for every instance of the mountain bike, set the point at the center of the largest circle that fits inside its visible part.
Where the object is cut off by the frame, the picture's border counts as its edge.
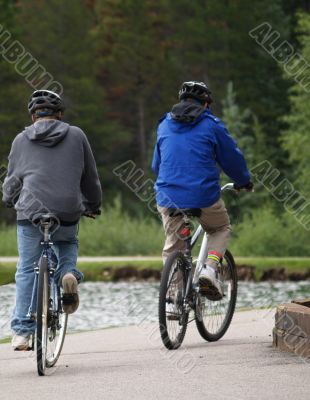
(180, 293)
(46, 306)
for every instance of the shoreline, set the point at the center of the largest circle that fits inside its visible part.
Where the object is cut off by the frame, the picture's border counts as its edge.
(115, 269)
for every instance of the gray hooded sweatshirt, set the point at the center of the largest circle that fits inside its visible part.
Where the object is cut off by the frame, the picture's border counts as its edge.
(52, 169)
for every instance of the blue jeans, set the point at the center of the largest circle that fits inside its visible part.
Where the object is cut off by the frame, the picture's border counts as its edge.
(29, 249)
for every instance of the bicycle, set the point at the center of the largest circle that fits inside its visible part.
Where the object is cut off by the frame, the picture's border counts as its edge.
(179, 289)
(47, 300)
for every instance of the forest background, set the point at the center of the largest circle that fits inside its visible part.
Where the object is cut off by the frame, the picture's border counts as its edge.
(121, 63)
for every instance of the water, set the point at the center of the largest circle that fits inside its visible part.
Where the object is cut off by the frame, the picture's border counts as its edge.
(105, 305)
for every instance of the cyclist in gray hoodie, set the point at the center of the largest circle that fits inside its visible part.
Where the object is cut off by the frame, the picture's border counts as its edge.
(51, 169)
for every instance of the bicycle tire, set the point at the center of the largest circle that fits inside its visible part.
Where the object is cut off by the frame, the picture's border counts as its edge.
(42, 316)
(176, 259)
(63, 321)
(201, 323)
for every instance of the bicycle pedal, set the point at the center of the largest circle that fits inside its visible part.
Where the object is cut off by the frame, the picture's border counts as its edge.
(69, 298)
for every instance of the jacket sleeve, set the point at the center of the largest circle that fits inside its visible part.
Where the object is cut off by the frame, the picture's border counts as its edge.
(13, 182)
(90, 183)
(156, 159)
(230, 157)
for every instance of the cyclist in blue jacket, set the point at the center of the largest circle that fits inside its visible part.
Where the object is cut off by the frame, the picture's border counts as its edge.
(192, 146)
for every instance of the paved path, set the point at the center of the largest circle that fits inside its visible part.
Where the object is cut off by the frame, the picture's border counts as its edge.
(130, 363)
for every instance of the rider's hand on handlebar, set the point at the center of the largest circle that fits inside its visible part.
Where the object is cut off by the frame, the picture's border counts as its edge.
(91, 214)
(249, 187)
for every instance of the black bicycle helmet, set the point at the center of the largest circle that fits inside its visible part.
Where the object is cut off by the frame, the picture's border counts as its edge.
(45, 99)
(195, 90)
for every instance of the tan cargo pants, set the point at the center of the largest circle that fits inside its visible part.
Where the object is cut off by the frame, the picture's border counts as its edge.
(214, 220)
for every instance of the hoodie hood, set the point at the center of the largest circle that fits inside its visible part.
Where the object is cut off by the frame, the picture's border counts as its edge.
(187, 111)
(47, 132)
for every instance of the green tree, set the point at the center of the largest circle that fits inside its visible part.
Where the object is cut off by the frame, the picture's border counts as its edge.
(244, 128)
(137, 69)
(237, 122)
(296, 138)
(12, 102)
(13, 93)
(61, 36)
(214, 45)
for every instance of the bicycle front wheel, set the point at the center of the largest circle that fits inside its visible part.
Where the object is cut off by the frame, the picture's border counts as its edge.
(214, 317)
(42, 316)
(173, 317)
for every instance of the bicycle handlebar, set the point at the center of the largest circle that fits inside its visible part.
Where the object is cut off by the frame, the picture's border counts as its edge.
(91, 214)
(232, 186)
(228, 186)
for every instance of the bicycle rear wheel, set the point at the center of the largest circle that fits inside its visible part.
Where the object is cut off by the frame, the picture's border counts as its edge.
(42, 316)
(214, 317)
(57, 327)
(173, 317)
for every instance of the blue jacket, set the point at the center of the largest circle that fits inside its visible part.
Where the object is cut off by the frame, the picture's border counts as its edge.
(187, 157)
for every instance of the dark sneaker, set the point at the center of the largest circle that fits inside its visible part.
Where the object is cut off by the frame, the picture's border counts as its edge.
(70, 298)
(210, 285)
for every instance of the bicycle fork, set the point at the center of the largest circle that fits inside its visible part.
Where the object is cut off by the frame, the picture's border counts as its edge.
(33, 305)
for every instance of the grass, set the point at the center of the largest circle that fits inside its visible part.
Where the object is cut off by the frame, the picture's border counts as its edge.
(115, 233)
(98, 271)
(8, 243)
(7, 273)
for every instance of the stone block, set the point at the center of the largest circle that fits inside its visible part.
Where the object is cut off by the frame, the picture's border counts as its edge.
(291, 343)
(294, 319)
(292, 329)
(302, 302)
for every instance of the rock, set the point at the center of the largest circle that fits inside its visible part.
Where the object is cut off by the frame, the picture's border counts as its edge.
(246, 272)
(296, 276)
(291, 317)
(124, 273)
(299, 276)
(292, 329)
(274, 274)
(302, 302)
(147, 274)
(133, 274)
(291, 343)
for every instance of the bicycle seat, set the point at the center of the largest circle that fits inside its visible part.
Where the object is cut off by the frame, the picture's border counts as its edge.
(45, 218)
(189, 212)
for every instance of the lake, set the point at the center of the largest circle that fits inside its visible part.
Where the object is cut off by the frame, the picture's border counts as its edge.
(107, 304)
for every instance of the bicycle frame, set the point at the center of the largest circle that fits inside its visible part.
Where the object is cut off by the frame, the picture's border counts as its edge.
(203, 253)
(46, 243)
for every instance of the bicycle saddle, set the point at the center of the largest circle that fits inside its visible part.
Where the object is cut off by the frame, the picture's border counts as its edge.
(189, 212)
(45, 218)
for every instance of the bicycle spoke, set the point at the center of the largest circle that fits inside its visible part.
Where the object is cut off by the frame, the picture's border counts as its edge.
(172, 316)
(173, 296)
(213, 317)
(57, 331)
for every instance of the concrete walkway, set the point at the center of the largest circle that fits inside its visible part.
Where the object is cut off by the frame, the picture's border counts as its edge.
(130, 363)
